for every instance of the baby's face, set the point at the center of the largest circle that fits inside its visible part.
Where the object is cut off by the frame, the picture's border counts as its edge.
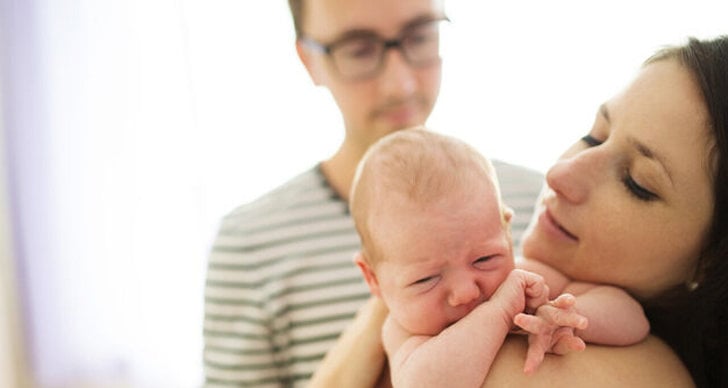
(442, 260)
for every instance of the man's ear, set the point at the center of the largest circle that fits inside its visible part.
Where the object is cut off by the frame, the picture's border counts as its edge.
(313, 67)
(369, 276)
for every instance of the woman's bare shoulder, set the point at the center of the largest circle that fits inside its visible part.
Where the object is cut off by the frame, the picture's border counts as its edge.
(650, 363)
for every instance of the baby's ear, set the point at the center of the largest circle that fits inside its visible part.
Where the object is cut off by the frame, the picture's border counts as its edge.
(369, 276)
(507, 214)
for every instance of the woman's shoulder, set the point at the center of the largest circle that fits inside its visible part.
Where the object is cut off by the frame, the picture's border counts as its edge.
(651, 363)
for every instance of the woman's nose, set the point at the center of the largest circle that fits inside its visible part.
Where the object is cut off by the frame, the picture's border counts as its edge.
(571, 177)
(465, 291)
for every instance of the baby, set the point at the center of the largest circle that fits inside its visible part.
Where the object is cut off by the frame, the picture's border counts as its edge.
(436, 248)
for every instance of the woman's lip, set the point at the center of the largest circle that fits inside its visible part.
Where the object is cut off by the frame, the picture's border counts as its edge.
(553, 226)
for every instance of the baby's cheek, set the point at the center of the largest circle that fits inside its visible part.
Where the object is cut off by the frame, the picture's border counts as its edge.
(424, 321)
(491, 283)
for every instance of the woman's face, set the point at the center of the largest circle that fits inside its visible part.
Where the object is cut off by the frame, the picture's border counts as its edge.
(630, 203)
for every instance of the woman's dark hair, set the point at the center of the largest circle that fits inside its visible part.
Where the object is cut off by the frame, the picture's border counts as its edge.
(693, 319)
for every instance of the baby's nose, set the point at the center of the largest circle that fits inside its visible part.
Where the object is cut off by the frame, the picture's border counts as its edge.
(464, 293)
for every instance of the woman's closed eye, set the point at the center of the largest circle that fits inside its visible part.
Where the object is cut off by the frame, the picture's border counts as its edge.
(591, 141)
(637, 190)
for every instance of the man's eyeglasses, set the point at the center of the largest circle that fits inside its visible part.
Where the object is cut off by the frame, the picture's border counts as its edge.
(361, 54)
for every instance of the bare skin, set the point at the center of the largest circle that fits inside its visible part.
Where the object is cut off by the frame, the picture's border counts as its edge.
(650, 363)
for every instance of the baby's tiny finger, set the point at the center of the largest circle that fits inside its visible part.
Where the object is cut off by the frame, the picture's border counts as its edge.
(529, 323)
(568, 318)
(567, 344)
(564, 301)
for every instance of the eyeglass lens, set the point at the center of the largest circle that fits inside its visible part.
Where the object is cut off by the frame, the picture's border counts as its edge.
(362, 56)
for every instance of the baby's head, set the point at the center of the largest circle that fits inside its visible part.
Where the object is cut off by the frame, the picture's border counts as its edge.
(435, 234)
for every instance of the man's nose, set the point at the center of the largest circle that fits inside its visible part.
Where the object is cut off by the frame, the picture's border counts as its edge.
(398, 76)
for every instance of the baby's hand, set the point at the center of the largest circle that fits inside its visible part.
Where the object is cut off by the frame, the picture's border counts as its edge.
(551, 329)
(520, 291)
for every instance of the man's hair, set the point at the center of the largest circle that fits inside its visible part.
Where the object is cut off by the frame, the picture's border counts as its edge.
(296, 7)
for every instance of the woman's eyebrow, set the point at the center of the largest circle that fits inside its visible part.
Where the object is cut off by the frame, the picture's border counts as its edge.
(641, 147)
(649, 153)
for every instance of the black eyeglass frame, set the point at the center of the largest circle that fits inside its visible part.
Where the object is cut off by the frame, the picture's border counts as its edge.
(396, 43)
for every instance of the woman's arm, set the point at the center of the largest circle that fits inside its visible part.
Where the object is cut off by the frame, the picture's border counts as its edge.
(650, 363)
(357, 359)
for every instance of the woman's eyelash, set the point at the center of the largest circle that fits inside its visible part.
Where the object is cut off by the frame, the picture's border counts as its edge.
(591, 141)
(638, 191)
(632, 186)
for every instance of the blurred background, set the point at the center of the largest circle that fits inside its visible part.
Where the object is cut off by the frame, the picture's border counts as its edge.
(128, 128)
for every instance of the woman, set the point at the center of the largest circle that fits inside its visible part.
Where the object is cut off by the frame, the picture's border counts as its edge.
(653, 172)
(640, 203)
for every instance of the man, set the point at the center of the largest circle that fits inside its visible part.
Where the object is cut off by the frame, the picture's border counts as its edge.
(281, 284)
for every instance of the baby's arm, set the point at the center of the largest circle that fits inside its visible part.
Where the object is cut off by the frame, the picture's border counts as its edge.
(615, 318)
(461, 354)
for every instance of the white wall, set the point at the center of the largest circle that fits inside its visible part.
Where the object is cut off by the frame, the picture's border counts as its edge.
(524, 78)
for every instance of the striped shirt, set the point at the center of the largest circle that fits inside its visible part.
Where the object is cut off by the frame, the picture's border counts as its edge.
(281, 284)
